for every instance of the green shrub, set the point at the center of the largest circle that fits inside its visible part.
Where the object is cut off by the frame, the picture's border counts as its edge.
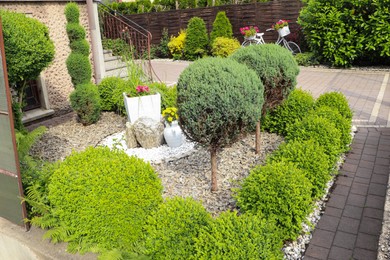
(218, 100)
(310, 157)
(28, 49)
(79, 68)
(85, 101)
(17, 116)
(170, 231)
(319, 129)
(279, 191)
(75, 32)
(80, 46)
(295, 107)
(221, 27)
(176, 45)
(223, 47)
(109, 94)
(162, 49)
(72, 12)
(341, 123)
(168, 94)
(306, 59)
(336, 100)
(338, 30)
(101, 198)
(197, 40)
(119, 47)
(239, 237)
(276, 68)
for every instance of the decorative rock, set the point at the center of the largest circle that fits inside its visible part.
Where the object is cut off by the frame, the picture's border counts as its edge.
(149, 132)
(131, 140)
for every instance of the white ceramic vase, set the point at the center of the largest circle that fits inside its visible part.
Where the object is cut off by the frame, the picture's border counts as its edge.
(173, 134)
(144, 106)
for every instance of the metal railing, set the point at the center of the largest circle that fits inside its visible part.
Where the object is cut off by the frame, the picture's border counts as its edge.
(137, 39)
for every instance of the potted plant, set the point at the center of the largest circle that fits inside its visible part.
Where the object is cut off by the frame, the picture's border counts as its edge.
(249, 32)
(172, 130)
(282, 27)
(142, 104)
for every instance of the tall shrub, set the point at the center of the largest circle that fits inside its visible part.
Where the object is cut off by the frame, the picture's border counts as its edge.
(85, 101)
(28, 49)
(221, 27)
(197, 39)
(277, 70)
(218, 100)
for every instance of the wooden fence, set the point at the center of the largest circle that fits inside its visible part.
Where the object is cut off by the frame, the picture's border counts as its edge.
(261, 14)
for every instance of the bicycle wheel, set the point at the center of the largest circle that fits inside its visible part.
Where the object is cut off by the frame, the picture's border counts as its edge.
(249, 42)
(293, 47)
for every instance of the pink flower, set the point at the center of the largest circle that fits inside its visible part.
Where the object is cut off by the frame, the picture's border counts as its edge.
(141, 89)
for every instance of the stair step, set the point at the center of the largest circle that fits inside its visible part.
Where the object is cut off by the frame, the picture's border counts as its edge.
(122, 73)
(114, 63)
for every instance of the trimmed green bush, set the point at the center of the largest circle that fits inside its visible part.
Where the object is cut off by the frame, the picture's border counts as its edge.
(218, 100)
(341, 123)
(170, 231)
(197, 40)
(295, 107)
(72, 13)
(85, 101)
(223, 47)
(221, 27)
(321, 130)
(28, 49)
(276, 68)
(75, 32)
(79, 68)
(310, 157)
(109, 90)
(306, 59)
(80, 46)
(101, 199)
(168, 94)
(239, 237)
(336, 100)
(280, 191)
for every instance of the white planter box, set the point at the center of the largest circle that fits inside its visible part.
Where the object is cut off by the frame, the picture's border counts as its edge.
(145, 106)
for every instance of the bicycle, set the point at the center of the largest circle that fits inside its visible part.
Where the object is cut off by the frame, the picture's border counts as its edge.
(258, 39)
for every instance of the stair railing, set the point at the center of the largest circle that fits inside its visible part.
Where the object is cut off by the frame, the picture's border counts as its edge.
(114, 26)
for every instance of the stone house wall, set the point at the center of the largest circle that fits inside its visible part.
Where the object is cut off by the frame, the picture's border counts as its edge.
(56, 77)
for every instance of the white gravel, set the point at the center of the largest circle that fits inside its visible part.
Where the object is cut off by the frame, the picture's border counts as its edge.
(160, 154)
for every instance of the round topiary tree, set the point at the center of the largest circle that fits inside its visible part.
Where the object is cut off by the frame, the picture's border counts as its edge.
(197, 40)
(28, 49)
(218, 100)
(221, 27)
(277, 70)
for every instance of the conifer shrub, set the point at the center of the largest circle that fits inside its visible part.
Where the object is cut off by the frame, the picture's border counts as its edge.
(218, 100)
(79, 68)
(101, 199)
(80, 46)
(298, 104)
(310, 157)
(221, 27)
(75, 32)
(276, 68)
(336, 100)
(277, 191)
(321, 130)
(109, 91)
(197, 39)
(171, 229)
(239, 237)
(343, 124)
(176, 45)
(223, 47)
(85, 101)
(72, 13)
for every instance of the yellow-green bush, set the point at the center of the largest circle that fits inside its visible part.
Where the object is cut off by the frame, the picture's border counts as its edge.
(223, 47)
(176, 45)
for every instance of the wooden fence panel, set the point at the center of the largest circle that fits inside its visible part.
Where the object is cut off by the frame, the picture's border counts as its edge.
(262, 15)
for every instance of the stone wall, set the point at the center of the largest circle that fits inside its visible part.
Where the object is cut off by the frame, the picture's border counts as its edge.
(56, 76)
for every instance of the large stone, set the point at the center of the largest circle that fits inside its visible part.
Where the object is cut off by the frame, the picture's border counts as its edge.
(131, 140)
(149, 132)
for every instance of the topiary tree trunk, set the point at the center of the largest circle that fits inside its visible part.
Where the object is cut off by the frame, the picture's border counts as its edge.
(214, 169)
